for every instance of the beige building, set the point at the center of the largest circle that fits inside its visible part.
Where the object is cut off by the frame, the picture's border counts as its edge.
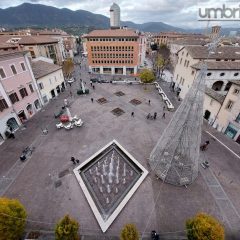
(223, 66)
(38, 46)
(49, 79)
(228, 118)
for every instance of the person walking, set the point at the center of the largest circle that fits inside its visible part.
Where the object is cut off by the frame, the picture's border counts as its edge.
(149, 102)
(203, 147)
(132, 114)
(71, 94)
(164, 115)
(91, 83)
(164, 107)
(155, 116)
(92, 100)
(93, 87)
(73, 160)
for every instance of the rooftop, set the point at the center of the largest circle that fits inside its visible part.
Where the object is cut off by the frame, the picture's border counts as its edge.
(189, 42)
(41, 68)
(219, 65)
(215, 95)
(201, 52)
(112, 33)
(26, 40)
(237, 82)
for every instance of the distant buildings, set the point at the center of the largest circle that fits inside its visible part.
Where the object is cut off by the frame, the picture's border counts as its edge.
(114, 16)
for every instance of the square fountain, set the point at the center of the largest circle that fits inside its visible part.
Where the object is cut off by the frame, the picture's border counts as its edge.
(108, 179)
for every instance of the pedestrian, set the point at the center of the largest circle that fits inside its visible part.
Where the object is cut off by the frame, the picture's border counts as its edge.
(164, 115)
(71, 94)
(73, 160)
(132, 114)
(164, 107)
(155, 115)
(92, 100)
(148, 116)
(149, 102)
(85, 83)
(91, 83)
(203, 147)
(93, 87)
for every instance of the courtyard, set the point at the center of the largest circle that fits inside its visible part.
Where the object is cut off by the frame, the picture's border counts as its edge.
(48, 188)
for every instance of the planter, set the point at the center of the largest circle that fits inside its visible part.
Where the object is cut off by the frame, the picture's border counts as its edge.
(80, 92)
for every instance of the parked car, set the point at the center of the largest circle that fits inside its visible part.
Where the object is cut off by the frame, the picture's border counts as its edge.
(94, 80)
(71, 80)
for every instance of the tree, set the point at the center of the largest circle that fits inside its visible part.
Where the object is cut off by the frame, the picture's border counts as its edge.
(129, 232)
(147, 76)
(67, 229)
(68, 67)
(12, 219)
(162, 60)
(204, 227)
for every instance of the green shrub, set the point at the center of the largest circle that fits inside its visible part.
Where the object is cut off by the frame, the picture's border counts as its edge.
(12, 219)
(129, 232)
(67, 229)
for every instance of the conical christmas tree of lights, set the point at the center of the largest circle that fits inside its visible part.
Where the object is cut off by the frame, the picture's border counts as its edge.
(174, 159)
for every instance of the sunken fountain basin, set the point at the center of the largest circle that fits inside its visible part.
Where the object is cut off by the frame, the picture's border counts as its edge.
(109, 178)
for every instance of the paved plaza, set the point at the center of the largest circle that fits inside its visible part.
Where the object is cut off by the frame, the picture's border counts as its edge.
(47, 187)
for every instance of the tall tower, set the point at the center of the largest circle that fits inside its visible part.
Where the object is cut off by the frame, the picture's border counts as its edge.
(115, 16)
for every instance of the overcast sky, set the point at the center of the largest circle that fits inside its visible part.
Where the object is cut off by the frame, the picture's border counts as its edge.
(181, 13)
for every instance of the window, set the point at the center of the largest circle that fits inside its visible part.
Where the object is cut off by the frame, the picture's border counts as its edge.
(235, 74)
(192, 72)
(23, 66)
(2, 73)
(14, 71)
(3, 104)
(50, 80)
(222, 74)
(40, 86)
(238, 118)
(187, 63)
(181, 61)
(229, 105)
(209, 74)
(31, 88)
(23, 92)
(236, 91)
(14, 97)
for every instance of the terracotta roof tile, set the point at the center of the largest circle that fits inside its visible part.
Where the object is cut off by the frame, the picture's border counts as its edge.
(215, 95)
(219, 65)
(41, 68)
(112, 33)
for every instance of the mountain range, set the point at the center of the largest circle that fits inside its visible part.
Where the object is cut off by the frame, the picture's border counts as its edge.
(30, 15)
(38, 15)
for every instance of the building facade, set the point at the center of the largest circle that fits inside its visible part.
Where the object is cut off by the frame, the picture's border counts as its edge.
(115, 51)
(19, 96)
(223, 66)
(36, 45)
(50, 80)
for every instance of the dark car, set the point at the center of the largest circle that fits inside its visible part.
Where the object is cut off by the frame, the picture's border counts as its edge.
(94, 80)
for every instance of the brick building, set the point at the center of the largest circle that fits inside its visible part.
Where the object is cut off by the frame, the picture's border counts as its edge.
(115, 51)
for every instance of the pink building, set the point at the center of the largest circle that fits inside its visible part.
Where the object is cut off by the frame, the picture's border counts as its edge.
(19, 96)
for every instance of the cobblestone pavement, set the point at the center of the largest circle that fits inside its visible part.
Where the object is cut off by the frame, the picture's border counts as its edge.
(48, 195)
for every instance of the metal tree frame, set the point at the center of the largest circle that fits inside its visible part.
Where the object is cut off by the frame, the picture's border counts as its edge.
(174, 159)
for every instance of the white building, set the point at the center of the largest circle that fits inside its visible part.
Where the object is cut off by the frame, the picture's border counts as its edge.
(49, 79)
(115, 16)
